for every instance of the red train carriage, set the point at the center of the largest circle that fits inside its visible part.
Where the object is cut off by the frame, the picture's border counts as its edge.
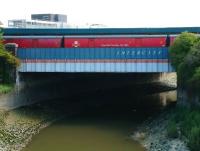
(114, 41)
(35, 41)
(87, 41)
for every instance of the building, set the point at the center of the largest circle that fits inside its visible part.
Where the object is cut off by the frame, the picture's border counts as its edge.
(50, 17)
(40, 21)
(23, 23)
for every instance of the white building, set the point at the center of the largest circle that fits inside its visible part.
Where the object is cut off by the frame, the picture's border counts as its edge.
(23, 23)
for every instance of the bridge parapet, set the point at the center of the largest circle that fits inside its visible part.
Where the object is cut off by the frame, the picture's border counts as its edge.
(94, 60)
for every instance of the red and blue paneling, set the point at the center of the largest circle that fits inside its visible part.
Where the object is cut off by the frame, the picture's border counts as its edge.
(93, 53)
(94, 60)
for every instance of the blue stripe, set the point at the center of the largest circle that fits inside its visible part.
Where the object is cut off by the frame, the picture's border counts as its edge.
(93, 53)
(100, 31)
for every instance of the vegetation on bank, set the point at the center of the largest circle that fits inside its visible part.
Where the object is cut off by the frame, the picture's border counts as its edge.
(185, 56)
(5, 88)
(6, 56)
(7, 62)
(185, 123)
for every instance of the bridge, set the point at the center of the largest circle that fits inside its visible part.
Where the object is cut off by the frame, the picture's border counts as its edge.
(128, 50)
(69, 63)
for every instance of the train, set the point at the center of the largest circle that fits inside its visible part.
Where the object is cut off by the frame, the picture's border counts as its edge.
(94, 41)
(94, 38)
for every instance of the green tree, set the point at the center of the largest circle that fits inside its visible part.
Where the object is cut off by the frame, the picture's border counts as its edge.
(6, 59)
(181, 47)
(185, 57)
(5, 55)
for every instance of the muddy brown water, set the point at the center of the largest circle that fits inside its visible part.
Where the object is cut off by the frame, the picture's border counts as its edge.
(104, 127)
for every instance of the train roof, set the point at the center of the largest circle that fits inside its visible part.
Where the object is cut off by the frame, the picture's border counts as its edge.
(98, 31)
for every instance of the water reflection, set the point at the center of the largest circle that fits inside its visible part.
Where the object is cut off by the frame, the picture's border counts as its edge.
(167, 98)
(85, 134)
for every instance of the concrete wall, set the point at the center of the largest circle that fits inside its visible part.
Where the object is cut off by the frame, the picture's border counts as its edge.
(169, 79)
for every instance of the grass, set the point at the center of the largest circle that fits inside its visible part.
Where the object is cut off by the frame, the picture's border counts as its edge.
(5, 88)
(172, 131)
(187, 120)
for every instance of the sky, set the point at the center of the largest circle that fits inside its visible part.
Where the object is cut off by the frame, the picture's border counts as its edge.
(112, 13)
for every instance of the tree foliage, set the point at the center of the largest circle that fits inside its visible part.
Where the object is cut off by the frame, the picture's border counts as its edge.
(181, 47)
(7, 63)
(185, 56)
(5, 56)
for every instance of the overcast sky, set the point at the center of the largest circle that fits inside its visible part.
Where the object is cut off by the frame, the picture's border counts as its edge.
(113, 13)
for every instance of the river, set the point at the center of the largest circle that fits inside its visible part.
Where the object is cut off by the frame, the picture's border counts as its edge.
(101, 126)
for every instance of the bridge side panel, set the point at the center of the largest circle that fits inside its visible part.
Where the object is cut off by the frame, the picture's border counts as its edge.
(94, 60)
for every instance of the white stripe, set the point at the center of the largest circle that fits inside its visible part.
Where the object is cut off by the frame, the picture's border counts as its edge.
(95, 67)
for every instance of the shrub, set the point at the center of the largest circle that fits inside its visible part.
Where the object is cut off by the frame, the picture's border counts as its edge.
(172, 131)
(5, 88)
(194, 138)
(188, 120)
(185, 57)
(181, 47)
(7, 62)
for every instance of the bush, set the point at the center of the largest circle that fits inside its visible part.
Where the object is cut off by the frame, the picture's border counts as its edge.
(188, 120)
(185, 57)
(181, 47)
(194, 81)
(172, 131)
(7, 57)
(194, 139)
(7, 62)
(5, 88)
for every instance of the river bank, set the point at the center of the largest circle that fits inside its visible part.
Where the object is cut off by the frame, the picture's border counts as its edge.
(18, 126)
(152, 134)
